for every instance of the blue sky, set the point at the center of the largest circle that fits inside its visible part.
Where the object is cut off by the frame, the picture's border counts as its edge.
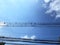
(27, 11)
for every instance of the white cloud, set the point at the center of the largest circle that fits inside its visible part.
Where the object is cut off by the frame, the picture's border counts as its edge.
(57, 16)
(54, 6)
(46, 1)
(27, 37)
(33, 37)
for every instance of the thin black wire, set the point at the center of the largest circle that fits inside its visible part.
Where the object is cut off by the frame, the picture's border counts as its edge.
(15, 43)
(29, 40)
(30, 24)
(26, 43)
(30, 44)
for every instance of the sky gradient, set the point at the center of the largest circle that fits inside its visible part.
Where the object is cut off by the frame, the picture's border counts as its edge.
(27, 11)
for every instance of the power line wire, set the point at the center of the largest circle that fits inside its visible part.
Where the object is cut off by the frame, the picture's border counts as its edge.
(8, 24)
(29, 40)
(2, 43)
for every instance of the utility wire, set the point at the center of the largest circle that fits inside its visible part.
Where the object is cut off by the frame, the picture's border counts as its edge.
(29, 40)
(15, 43)
(8, 24)
(18, 44)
